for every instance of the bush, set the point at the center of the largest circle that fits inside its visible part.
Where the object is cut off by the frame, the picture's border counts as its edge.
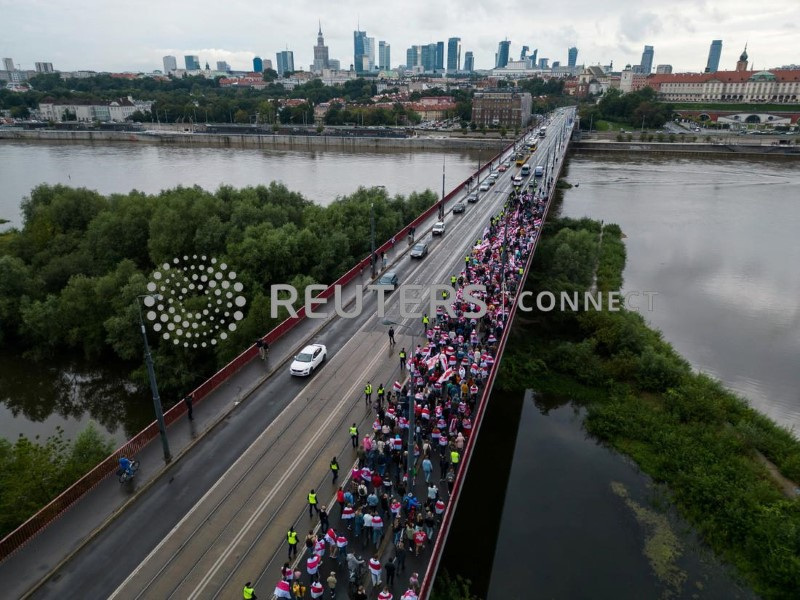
(620, 137)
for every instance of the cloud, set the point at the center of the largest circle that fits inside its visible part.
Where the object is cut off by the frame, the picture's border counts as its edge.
(636, 27)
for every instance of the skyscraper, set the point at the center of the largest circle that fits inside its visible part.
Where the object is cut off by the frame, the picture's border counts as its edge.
(439, 62)
(502, 54)
(543, 64)
(384, 55)
(428, 57)
(556, 64)
(223, 66)
(524, 53)
(192, 62)
(8, 64)
(572, 54)
(320, 52)
(647, 60)
(170, 64)
(453, 54)
(44, 67)
(360, 56)
(413, 57)
(285, 61)
(469, 62)
(258, 65)
(369, 47)
(714, 53)
(532, 56)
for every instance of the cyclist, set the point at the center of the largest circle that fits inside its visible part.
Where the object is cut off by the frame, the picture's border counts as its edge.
(125, 465)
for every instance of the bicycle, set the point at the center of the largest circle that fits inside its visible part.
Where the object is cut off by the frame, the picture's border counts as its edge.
(127, 474)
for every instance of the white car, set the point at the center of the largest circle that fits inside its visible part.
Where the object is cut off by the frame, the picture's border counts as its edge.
(311, 357)
(438, 228)
(484, 187)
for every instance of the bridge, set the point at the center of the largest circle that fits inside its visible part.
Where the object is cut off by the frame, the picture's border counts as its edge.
(216, 515)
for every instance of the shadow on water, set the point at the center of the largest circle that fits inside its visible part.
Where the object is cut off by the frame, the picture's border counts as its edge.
(563, 516)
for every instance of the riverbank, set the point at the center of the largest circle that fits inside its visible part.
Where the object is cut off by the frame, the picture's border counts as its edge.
(238, 140)
(682, 428)
(709, 150)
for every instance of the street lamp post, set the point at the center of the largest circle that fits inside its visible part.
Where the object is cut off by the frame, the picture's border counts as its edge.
(441, 203)
(372, 237)
(411, 431)
(162, 428)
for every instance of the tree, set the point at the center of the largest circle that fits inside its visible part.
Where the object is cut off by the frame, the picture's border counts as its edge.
(20, 112)
(241, 116)
(270, 75)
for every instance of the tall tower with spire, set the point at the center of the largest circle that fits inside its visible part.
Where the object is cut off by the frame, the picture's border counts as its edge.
(741, 64)
(321, 60)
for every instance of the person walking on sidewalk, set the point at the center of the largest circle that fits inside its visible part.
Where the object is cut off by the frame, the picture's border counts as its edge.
(402, 359)
(291, 538)
(334, 470)
(391, 336)
(312, 503)
(354, 435)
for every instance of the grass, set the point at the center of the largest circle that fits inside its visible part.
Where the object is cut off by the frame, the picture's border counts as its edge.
(603, 125)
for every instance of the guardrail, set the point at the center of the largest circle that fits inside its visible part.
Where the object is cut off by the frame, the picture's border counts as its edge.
(57, 507)
(447, 518)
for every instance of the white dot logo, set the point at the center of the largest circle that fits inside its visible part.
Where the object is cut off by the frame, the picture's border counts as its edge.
(185, 307)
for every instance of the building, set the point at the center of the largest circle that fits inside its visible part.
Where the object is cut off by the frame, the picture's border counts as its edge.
(321, 59)
(532, 57)
(369, 44)
(572, 57)
(170, 64)
(556, 64)
(116, 111)
(663, 69)
(524, 53)
(741, 64)
(429, 57)
(258, 65)
(257, 83)
(223, 66)
(334, 65)
(453, 55)
(439, 62)
(384, 56)
(469, 62)
(266, 63)
(714, 54)
(360, 51)
(414, 58)
(285, 62)
(776, 86)
(44, 67)
(647, 60)
(8, 64)
(192, 62)
(631, 80)
(503, 108)
(502, 54)
(543, 64)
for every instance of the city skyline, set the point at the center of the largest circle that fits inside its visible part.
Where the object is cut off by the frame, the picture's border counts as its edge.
(614, 32)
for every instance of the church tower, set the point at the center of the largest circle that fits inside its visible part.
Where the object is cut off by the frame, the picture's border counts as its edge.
(741, 65)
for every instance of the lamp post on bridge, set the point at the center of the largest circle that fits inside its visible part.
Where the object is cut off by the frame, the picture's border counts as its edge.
(162, 428)
(411, 426)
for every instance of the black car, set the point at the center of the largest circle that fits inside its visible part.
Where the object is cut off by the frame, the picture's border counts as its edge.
(459, 208)
(472, 198)
(419, 250)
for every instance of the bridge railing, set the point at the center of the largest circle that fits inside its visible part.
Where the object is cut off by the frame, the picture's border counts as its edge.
(58, 506)
(449, 513)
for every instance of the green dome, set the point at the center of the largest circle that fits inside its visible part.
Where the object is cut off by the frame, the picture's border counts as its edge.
(763, 76)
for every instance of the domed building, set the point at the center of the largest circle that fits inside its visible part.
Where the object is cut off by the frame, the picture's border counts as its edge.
(741, 64)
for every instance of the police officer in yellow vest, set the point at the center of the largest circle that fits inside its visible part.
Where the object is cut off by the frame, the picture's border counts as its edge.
(334, 469)
(425, 321)
(248, 593)
(453, 280)
(291, 537)
(402, 359)
(354, 435)
(454, 458)
(312, 503)
(381, 392)
(444, 295)
(367, 393)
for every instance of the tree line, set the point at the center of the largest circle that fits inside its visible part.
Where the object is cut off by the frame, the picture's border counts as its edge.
(70, 277)
(637, 109)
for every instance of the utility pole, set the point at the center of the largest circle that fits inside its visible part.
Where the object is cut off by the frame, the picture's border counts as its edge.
(372, 238)
(162, 428)
(441, 203)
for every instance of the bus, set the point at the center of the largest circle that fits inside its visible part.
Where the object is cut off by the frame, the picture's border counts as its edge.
(520, 159)
(526, 169)
(532, 147)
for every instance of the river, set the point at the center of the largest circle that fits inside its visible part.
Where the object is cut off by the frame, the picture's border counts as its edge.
(36, 402)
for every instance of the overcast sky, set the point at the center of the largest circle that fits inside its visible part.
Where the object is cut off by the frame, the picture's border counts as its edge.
(134, 36)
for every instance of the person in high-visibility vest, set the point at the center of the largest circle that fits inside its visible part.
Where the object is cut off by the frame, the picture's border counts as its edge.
(402, 359)
(454, 458)
(312, 503)
(425, 321)
(248, 593)
(334, 470)
(444, 295)
(291, 538)
(381, 392)
(367, 393)
(453, 280)
(354, 435)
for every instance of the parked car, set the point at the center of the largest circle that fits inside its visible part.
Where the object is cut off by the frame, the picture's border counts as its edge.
(419, 250)
(473, 198)
(484, 187)
(438, 228)
(310, 357)
(459, 208)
